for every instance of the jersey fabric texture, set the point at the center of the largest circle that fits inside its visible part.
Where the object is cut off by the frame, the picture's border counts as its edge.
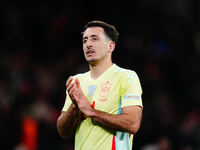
(114, 89)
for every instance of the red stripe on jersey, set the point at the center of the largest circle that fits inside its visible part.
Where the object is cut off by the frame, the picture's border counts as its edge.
(113, 143)
(93, 104)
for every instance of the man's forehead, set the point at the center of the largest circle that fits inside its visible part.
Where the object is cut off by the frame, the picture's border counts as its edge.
(93, 31)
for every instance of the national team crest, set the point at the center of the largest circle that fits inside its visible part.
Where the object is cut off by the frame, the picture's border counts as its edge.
(105, 89)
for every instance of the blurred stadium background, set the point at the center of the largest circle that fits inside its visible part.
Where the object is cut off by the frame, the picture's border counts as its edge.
(41, 46)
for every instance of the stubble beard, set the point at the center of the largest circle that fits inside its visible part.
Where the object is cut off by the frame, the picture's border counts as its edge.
(92, 61)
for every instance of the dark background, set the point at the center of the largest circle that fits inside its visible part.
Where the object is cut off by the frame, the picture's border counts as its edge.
(41, 45)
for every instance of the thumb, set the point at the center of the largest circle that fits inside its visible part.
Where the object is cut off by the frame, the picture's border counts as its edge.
(77, 83)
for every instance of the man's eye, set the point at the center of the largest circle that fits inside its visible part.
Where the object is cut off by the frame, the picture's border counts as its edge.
(84, 41)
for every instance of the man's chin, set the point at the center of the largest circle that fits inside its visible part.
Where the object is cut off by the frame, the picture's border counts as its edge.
(92, 61)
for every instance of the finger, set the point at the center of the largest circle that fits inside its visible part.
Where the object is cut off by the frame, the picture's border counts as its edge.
(69, 87)
(71, 96)
(77, 83)
(69, 80)
(73, 99)
(75, 94)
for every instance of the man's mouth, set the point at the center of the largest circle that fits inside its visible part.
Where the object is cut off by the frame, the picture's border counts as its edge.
(89, 52)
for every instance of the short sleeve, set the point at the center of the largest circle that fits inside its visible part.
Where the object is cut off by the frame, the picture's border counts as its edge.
(131, 91)
(68, 102)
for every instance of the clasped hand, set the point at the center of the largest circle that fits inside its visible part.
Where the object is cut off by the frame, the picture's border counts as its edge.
(77, 96)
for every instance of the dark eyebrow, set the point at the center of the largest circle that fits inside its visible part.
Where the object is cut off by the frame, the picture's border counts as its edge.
(93, 35)
(85, 38)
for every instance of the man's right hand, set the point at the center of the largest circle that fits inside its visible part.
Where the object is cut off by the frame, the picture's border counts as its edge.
(70, 89)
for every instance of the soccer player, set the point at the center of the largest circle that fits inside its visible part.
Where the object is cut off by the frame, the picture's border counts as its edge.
(104, 105)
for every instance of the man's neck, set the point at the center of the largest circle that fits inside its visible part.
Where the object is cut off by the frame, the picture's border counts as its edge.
(97, 69)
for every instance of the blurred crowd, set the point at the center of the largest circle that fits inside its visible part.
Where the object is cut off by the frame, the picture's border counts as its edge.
(41, 46)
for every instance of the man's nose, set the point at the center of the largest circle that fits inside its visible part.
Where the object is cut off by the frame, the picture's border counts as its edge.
(88, 44)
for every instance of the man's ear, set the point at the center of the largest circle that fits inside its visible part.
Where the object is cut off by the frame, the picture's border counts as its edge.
(111, 46)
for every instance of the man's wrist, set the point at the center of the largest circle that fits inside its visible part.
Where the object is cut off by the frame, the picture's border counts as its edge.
(91, 112)
(74, 107)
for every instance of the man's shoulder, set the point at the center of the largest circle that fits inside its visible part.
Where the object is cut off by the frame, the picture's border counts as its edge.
(123, 71)
(126, 76)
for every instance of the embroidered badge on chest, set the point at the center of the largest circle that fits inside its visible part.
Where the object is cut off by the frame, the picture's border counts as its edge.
(91, 90)
(105, 89)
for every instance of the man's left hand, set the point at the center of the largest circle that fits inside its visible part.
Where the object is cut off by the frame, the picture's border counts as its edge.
(81, 100)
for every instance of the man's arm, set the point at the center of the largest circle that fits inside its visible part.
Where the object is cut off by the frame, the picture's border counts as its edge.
(128, 121)
(67, 121)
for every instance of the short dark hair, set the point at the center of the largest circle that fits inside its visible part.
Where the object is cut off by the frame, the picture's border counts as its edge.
(109, 30)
